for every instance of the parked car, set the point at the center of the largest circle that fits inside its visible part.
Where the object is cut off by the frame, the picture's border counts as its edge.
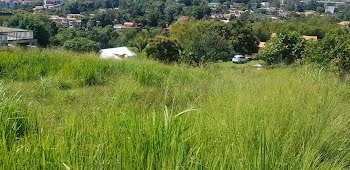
(239, 59)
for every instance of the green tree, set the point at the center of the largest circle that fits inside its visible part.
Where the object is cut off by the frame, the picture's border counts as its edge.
(207, 47)
(333, 51)
(320, 10)
(65, 34)
(163, 49)
(241, 37)
(82, 44)
(286, 47)
(125, 37)
(140, 41)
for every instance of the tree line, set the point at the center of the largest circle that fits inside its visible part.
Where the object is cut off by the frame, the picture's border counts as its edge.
(198, 42)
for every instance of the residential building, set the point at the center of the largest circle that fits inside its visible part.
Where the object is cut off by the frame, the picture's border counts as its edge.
(74, 23)
(77, 16)
(216, 16)
(60, 21)
(53, 2)
(329, 7)
(127, 25)
(183, 18)
(265, 4)
(102, 11)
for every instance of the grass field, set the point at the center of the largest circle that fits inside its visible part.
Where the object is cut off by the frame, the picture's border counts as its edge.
(61, 110)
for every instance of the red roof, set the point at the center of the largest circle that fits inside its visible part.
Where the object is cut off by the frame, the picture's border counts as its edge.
(182, 18)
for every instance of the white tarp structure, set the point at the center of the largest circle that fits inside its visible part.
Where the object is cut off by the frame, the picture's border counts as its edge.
(116, 53)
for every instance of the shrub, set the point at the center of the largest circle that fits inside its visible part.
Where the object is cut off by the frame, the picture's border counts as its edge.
(207, 47)
(284, 48)
(333, 51)
(82, 44)
(163, 49)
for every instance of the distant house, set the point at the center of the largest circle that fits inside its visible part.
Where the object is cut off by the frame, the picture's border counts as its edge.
(217, 16)
(102, 11)
(77, 16)
(127, 25)
(74, 23)
(53, 2)
(183, 18)
(213, 4)
(306, 12)
(265, 5)
(60, 21)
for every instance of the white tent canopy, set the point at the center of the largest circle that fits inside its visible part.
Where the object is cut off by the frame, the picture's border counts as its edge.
(116, 53)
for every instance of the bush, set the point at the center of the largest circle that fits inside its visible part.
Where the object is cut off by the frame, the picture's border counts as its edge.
(333, 51)
(207, 47)
(163, 49)
(284, 48)
(82, 44)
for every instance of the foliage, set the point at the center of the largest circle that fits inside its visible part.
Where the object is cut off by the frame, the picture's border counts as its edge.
(140, 41)
(105, 36)
(344, 14)
(207, 47)
(241, 37)
(163, 49)
(333, 51)
(311, 25)
(82, 44)
(285, 48)
(210, 41)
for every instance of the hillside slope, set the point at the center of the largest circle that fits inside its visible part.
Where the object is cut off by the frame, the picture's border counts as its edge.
(60, 109)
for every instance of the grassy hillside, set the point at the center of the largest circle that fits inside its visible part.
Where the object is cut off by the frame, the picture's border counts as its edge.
(62, 109)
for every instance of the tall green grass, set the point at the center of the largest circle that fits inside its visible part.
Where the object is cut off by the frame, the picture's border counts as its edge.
(87, 113)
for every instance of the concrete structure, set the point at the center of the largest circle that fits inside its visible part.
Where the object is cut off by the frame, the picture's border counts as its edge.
(14, 35)
(329, 7)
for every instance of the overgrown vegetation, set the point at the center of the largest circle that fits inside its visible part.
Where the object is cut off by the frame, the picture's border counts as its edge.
(285, 48)
(332, 52)
(61, 110)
